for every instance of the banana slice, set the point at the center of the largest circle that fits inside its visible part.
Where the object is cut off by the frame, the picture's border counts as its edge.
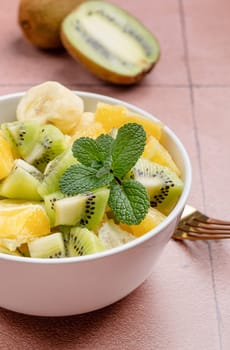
(51, 102)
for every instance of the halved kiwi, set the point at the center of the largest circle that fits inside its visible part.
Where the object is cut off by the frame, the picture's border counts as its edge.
(110, 42)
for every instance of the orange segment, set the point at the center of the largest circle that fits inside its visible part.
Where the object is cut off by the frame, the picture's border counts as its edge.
(114, 116)
(21, 222)
(155, 152)
(153, 218)
(6, 158)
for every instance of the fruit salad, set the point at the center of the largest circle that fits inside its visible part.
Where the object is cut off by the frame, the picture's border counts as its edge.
(73, 182)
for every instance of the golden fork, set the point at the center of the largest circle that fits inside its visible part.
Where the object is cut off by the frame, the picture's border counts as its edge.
(194, 225)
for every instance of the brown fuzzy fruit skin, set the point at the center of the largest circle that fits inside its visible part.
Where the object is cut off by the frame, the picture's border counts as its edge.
(40, 20)
(100, 71)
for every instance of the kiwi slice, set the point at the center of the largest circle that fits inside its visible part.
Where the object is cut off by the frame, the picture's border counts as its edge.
(49, 201)
(21, 135)
(85, 209)
(95, 207)
(69, 210)
(22, 182)
(162, 184)
(83, 242)
(54, 170)
(51, 246)
(51, 142)
(110, 42)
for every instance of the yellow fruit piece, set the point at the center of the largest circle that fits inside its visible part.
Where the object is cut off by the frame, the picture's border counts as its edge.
(88, 127)
(6, 158)
(20, 222)
(155, 152)
(51, 102)
(114, 116)
(153, 218)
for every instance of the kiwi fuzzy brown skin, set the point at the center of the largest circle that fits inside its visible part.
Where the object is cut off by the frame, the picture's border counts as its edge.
(99, 71)
(40, 20)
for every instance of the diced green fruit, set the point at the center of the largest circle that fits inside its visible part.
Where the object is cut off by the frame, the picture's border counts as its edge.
(50, 143)
(22, 182)
(22, 135)
(51, 246)
(110, 42)
(49, 201)
(69, 210)
(83, 242)
(85, 209)
(65, 230)
(95, 208)
(54, 170)
(162, 184)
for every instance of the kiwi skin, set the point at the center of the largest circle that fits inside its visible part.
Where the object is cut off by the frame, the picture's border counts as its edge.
(40, 20)
(100, 71)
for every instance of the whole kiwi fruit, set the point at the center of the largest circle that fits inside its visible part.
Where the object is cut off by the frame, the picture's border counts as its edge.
(40, 20)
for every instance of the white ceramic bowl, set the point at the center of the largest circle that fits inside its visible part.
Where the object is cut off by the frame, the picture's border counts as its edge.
(59, 287)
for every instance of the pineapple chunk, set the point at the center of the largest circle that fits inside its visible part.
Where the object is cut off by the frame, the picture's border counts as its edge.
(6, 159)
(157, 153)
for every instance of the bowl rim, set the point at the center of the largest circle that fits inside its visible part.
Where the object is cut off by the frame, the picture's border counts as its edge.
(139, 240)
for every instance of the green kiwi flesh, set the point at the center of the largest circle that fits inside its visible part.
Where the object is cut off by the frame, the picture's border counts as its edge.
(83, 242)
(54, 170)
(69, 210)
(22, 182)
(84, 209)
(110, 42)
(162, 184)
(49, 201)
(51, 246)
(21, 135)
(51, 142)
(95, 207)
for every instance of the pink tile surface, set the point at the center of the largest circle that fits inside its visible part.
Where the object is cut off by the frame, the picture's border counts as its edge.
(184, 304)
(207, 33)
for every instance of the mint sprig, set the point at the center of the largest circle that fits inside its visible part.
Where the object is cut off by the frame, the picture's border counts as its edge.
(106, 162)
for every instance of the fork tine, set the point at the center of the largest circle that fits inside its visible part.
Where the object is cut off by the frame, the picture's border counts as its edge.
(195, 225)
(193, 236)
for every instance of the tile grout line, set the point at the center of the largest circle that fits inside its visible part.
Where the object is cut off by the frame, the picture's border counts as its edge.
(190, 85)
(191, 88)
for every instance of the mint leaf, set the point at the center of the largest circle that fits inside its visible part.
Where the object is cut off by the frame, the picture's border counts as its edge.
(88, 151)
(105, 142)
(127, 148)
(129, 201)
(79, 178)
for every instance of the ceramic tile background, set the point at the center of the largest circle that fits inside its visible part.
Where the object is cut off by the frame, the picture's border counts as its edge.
(184, 304)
